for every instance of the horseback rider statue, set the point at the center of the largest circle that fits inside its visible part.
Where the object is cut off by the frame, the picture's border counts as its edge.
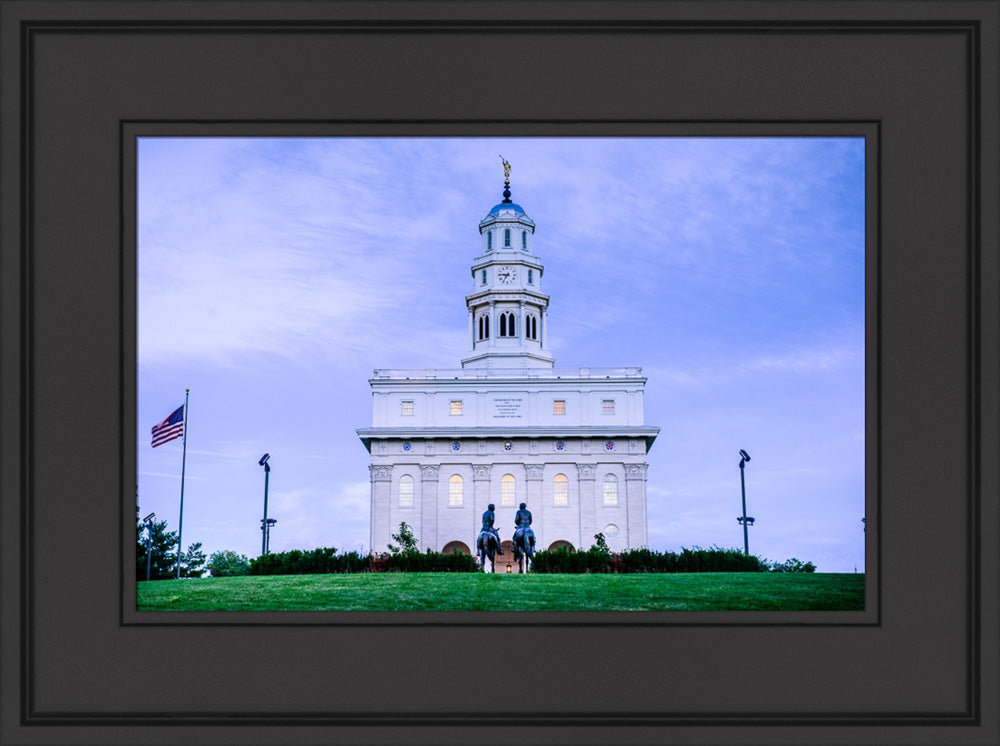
(523, 516)
(524, 538)
(488, 517)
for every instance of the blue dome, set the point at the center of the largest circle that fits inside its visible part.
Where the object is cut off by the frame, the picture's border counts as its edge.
(506, 206)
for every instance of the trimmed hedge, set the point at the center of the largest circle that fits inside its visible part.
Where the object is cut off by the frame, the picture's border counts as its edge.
(642, 560)
(428, 562)
(326, 560)
(308, 562)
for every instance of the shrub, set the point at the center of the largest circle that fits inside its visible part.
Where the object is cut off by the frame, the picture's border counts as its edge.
(793, 565)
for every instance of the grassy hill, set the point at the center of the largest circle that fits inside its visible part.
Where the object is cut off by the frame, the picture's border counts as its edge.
(415, 591)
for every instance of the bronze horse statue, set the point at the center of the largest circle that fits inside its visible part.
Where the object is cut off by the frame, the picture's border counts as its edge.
(524, 547)
(487, 545)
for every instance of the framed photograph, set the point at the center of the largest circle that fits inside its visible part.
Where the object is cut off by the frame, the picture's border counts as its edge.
(90, 90)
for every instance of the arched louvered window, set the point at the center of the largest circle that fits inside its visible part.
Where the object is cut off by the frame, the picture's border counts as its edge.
(506, 236)
(610, 489)
(531, 327)
(507, 328)
(507, 489)
(406, 491)
(560, 490)
(455, 491)
(484, 327)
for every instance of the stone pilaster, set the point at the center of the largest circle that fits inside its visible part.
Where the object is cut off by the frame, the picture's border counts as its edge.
(533, 475)
(381, 479)
(588, 506)
(481, 493)
(635, 505)
(429, 508)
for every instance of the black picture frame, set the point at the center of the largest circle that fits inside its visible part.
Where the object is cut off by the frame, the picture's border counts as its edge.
(80, 80)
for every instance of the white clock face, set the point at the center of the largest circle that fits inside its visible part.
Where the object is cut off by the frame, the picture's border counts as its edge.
(507, 275)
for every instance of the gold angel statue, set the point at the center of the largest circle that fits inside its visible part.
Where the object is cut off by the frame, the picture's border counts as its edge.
(506, 169)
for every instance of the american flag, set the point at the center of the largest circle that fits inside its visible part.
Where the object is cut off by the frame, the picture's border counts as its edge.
(170, 428)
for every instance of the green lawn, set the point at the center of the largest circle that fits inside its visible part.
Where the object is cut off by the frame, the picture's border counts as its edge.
(478, 592)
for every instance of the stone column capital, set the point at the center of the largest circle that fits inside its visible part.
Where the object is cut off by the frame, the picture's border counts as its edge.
(481, 472)
(587, 472)
(429, 473)
(635, 471)
(533, 472)
(380, 473)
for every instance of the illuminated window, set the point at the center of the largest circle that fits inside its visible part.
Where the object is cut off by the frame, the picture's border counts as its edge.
(610, 489)
(406, 408)
(507, 489)
(559, 406)
(608, 406)
(456, 407)
(560, 490)
(406, 491)
(455, 491)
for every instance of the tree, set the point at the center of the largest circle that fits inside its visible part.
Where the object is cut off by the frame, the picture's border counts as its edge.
(193, 561)
(163, 560)
(601, 544)
(407, 541)
(227, 563)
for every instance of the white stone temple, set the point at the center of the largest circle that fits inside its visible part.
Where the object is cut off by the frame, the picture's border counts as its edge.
(508, 426)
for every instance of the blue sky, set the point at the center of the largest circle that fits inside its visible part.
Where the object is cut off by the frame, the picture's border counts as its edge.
(276, 274)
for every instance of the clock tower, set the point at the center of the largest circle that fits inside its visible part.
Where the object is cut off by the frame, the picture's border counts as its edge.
(507, 308)
(508, 427)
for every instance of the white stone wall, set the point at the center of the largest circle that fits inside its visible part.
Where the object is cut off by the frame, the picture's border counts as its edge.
(498, 398)
(534, 462)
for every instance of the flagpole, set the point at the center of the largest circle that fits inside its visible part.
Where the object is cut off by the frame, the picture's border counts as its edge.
(180, 521)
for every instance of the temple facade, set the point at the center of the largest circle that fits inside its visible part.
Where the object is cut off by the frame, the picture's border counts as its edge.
(508, 426)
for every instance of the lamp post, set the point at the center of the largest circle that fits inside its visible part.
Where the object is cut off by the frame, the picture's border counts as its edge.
(148, 520)
(263, 524)
(744, 520)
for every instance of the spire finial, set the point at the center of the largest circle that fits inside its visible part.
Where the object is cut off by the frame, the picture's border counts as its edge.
(506, 179)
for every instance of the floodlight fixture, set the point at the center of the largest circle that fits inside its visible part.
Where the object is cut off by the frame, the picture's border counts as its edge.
(744, 455)
(265, 526)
